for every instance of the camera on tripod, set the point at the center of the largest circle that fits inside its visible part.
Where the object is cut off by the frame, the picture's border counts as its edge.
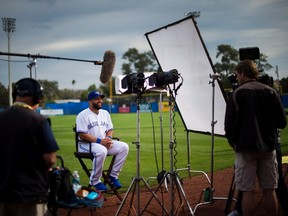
(265, 79)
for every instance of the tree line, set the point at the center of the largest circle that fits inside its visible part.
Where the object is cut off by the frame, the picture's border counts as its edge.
(137, 62)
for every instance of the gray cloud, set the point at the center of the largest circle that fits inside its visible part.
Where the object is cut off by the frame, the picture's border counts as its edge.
(86, 29)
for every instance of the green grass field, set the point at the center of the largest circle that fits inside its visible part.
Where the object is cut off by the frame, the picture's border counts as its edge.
(150, 146)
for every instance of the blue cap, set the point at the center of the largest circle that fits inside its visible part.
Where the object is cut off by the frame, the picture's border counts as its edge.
(94, 94)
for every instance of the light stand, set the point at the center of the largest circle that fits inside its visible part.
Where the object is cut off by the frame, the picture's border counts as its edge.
(134, 186)
(208, 196)
(161, 131)
(172, 175)
(213, 122)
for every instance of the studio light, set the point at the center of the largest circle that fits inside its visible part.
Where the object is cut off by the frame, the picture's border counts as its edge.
(161, 79)
(134, 82)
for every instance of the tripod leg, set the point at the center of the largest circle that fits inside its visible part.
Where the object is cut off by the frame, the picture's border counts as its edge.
(230, 196)
(182, 192)
(126, 196)
(135, 183)
(179, 189)
(155, 196)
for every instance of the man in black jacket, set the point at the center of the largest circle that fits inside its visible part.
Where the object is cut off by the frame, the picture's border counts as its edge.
(253, 114)
(27, 153)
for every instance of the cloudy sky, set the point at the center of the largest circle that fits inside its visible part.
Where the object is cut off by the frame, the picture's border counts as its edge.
(86, 29)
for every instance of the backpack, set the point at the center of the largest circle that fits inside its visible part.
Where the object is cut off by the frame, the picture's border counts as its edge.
(62, 194)
(60, 185)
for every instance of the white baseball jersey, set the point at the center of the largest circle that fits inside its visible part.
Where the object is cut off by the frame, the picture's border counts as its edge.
(97, 125)
(94, 124)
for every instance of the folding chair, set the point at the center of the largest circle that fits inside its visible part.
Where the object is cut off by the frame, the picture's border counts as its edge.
(81, 156)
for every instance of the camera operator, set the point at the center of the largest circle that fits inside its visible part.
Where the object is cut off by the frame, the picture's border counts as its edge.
(253, 114)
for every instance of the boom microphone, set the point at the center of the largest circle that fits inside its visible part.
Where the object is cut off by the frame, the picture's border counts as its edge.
(107, 66)
(108, 62)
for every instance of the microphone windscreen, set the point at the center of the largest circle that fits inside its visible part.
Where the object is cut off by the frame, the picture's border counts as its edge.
(108, 65)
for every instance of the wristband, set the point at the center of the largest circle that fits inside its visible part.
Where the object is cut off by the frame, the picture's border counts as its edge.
(109, 137)
(98, 140)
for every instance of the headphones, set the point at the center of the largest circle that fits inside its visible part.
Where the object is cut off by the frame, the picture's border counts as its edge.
(28, 87)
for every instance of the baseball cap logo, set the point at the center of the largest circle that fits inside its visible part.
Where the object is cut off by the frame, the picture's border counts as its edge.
(94, 94)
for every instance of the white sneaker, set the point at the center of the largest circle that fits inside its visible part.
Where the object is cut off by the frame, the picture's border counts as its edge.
(234, 213)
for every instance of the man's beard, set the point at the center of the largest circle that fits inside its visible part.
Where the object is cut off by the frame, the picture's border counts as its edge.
(96, 106)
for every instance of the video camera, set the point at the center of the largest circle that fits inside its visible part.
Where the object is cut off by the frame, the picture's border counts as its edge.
(265, 79)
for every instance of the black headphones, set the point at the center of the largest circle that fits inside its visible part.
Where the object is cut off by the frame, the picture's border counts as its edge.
(28, 87)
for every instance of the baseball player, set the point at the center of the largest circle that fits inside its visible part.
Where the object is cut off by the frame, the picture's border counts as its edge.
(94, 125)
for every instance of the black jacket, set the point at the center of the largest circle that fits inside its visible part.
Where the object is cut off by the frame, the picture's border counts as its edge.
(253, 114)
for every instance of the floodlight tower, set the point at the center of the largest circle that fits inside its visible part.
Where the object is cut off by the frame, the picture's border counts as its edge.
(9, 26)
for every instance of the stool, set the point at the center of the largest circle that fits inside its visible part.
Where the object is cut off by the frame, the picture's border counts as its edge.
(81, 156)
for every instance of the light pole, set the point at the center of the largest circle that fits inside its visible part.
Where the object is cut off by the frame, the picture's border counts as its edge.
(9, 26)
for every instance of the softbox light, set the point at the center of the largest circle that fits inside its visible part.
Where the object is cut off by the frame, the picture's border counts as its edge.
(179, 45)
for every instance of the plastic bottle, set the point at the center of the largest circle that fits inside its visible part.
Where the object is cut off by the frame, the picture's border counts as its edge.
(76, 181)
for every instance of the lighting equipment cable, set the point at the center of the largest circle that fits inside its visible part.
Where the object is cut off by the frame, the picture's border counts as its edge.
(155, 149)
(155, 154)
(153, 135)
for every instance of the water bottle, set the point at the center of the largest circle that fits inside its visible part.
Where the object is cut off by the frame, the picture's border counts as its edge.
(76, 181)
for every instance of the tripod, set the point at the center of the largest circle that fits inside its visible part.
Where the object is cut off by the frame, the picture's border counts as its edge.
(208, 196)
(135, 183)
(173, 176)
